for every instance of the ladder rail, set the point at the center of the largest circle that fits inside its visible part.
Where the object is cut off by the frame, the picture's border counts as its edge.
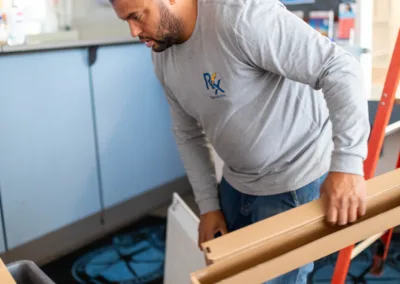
(375, 143)
(383, 113)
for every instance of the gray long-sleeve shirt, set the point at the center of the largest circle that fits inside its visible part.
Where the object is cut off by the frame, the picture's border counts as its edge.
(280, 103)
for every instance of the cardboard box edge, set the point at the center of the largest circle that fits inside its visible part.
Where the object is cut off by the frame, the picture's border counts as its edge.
(213, 257)
(378, 226)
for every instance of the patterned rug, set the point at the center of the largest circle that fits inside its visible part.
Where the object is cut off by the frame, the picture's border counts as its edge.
(133, 255)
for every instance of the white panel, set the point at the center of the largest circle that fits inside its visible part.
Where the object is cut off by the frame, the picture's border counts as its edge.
(182, 254)
(390, 150)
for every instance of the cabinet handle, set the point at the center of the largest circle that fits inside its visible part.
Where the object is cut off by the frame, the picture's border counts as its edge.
(92, 55)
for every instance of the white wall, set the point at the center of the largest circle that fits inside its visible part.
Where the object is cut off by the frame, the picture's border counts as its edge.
(93, 20)
(386, 25)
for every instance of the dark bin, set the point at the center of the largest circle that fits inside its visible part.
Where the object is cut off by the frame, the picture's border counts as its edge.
(27, 272)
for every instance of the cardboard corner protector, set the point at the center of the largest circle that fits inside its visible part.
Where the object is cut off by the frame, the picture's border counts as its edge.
(279, 244)
(5, 276)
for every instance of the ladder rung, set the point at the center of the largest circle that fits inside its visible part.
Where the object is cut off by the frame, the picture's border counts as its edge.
(392, 128)
(363, 245)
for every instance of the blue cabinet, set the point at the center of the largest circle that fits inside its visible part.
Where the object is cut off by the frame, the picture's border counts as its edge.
(47, 155)
(136, 146)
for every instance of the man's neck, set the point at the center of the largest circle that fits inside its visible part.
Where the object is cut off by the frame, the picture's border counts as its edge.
(189, 19)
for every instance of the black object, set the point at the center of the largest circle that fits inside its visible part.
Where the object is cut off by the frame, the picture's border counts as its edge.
(26, 272)
(217, 235)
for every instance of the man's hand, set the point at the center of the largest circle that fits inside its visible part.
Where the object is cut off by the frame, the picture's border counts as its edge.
(210, 224)
(345, 197)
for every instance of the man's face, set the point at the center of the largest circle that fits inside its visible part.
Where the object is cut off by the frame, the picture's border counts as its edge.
(151, 20)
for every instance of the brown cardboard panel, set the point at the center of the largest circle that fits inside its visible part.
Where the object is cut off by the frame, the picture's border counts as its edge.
(5, 276)
(194, 280)
(303, 232)
(311, 214)
(223, 272)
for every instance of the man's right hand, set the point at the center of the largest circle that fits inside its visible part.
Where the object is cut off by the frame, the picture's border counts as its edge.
(210, 224)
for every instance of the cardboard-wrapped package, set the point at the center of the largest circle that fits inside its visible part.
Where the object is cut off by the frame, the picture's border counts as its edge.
(5, 276)
(286, 241)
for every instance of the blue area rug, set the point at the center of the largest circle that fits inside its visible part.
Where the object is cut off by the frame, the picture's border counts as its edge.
(130, 256)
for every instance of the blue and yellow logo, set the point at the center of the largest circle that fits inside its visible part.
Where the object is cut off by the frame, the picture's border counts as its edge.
(212, 83)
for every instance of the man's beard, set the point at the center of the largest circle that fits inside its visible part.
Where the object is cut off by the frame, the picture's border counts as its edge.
(169, 30)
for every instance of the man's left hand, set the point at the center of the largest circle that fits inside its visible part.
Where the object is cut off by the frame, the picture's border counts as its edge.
(345, 197)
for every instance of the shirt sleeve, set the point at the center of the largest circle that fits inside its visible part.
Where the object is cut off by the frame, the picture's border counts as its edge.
(274, 39)
(196, 154)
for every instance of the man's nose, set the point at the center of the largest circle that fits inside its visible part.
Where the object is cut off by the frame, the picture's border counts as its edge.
(135, 30)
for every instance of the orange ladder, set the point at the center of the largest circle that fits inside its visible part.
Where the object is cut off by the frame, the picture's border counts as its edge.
(376, 139)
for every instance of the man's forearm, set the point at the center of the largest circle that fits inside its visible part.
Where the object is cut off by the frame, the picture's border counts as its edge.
(195, 151)
(197, 158)
(345, 95)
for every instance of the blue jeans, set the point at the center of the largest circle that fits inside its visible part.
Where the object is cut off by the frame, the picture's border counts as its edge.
(241, 210)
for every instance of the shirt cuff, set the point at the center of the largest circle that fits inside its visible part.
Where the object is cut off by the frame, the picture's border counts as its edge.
(347, 164)
(208, 205)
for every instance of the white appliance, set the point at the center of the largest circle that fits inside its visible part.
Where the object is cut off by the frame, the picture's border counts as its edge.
(182, 253)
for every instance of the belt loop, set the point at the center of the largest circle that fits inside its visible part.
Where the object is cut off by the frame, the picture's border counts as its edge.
(295, 198)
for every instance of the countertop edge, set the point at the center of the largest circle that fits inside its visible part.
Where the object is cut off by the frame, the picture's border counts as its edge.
(64, 45)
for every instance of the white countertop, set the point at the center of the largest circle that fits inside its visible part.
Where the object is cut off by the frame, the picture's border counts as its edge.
(70, 39)
(98, 37)
(65, 44)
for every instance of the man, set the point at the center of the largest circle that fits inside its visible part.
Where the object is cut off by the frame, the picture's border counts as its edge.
(281, 104)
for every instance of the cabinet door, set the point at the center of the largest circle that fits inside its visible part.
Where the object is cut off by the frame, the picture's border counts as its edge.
(47, 155)
(136, 145)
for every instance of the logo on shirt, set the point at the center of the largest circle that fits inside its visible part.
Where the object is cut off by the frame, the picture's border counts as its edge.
(212, 83)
